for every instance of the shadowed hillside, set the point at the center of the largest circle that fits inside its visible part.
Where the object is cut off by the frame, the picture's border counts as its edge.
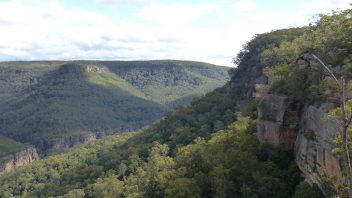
(44, 103)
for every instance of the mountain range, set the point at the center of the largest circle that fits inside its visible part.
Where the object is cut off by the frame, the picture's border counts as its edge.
(57, 104)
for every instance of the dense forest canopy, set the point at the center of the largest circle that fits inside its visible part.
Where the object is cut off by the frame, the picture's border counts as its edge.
(44, 102)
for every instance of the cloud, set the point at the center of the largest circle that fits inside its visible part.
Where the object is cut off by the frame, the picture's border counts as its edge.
(48, 31)
(175, 14)
(327, 5)
(124, 2)
(245, 6)
(209, 31)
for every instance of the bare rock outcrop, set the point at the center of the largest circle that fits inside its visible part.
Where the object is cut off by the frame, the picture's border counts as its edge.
(71, 141)
(313, 147)
(95, 68)
(283, 123)
(80, 69)
(20, 158)
(260, 87)
(277, 121)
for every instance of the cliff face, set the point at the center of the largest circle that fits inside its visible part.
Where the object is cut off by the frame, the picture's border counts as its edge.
(287, 124)
(12, 161)
(9, 162)
(72, 141)
(313, 148)
(277, 120)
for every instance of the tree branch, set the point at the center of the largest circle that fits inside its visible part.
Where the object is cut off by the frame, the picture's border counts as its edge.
(328, 69)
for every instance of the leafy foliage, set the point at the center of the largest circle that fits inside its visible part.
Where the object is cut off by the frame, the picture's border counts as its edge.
(305, 190)
(330, 39)
(226, 165)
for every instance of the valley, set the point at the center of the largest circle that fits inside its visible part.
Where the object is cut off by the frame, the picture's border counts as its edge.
(276, 125)
(56, 105)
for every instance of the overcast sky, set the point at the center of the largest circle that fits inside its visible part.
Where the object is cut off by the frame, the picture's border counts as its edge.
(203, 30)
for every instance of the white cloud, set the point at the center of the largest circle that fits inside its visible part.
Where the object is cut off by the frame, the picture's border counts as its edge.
(47, 30)
(176, 14)
(326, 5)
(245, 6)
(124, 2)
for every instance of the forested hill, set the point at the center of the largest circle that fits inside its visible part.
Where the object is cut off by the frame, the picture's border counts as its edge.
(162, 81)
(170, 82)
(210, 148)
(59, 104)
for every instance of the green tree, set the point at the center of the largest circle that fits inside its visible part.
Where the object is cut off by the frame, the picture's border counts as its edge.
(305, 190)
(108, 186)
(122, 170)
(183, 188)
(75, 193)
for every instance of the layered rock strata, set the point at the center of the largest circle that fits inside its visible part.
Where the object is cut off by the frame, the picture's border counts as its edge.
(9, 162)
(308, 131)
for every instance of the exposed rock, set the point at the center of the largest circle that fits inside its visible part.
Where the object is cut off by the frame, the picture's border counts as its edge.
(259, 90)
(9, 162)
(71, 141)
(262, 80)
(97, 69)
(277, 121)
(314, 152)
(79, 69)
(260, 87)
(284, 124)
(20, 158)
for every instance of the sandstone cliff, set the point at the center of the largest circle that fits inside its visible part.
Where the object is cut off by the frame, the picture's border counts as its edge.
(71, 141)
(313, 148)
(305, 129)
(28, 155)
(278, 120)
(20, 158)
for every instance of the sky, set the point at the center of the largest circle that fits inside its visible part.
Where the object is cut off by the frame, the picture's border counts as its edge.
(212, 31)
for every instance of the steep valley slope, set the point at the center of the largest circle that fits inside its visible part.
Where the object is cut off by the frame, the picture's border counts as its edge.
(57, 104)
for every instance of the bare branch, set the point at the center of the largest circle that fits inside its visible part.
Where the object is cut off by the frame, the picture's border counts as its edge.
(327, 68)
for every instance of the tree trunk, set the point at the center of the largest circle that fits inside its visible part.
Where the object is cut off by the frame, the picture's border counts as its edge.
(345, 120)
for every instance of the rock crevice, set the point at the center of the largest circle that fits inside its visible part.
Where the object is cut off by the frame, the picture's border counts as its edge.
(287, 125)
(304, 128)
(278, 120)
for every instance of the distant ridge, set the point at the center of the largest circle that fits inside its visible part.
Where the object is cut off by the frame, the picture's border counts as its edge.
(45, 102)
